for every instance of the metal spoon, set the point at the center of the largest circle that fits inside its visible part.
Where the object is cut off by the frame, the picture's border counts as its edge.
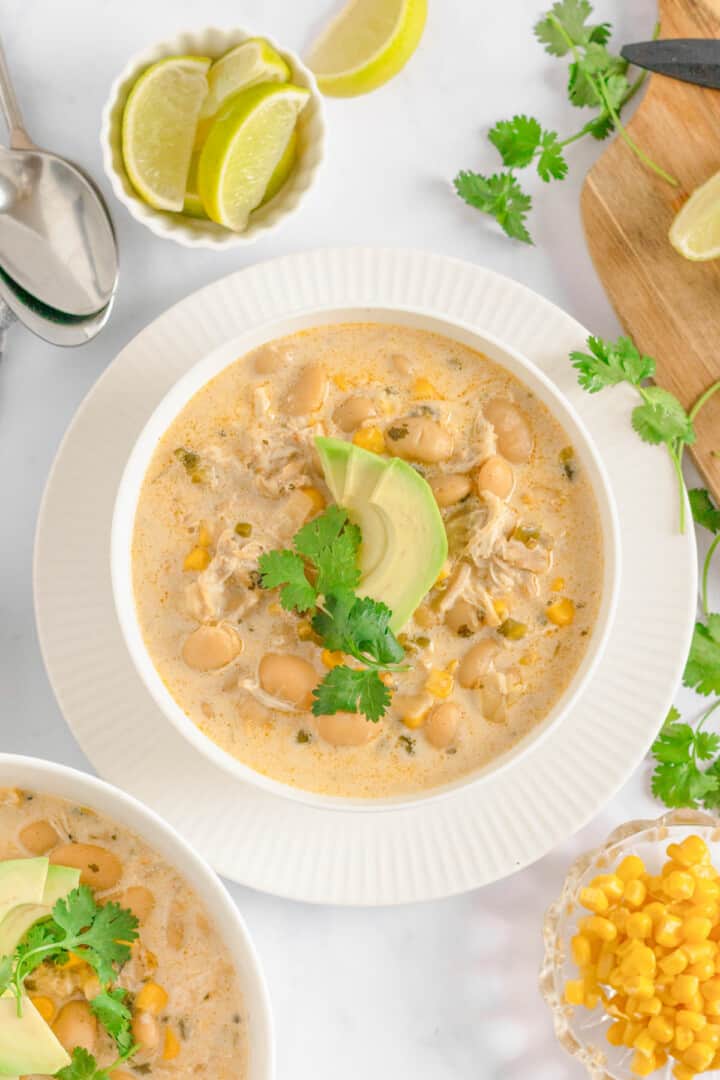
(50, 325)
(56, 237)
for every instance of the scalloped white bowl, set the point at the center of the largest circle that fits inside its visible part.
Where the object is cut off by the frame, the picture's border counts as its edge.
(45, 776)
(196, 232)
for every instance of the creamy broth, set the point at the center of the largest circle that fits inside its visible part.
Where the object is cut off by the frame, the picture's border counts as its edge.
(237, 474)
(201, 1029)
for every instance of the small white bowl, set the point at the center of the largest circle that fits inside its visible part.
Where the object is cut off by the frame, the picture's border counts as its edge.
(215, 362)
(196, 232)
(34, 774)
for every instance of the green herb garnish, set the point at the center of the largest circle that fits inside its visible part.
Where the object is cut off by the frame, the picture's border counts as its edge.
(111, 1009)
(680, 749)
(84, 1067)
(660, 419)
(597, 79)
(320, 575)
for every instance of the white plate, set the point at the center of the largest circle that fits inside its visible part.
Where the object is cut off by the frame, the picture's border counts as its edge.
(473, 836)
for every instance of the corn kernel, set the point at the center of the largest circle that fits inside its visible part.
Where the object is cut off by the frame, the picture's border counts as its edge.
(439, 683)
(710, 990)
(668, 930)
(591, 999)
(705, 890)
(594, 900)
(615, 1033)
(605, 964)
(675, 962)
(684, 987)
(370, 438)
(197, 559)
(638, 925)
(204, 536)
(682, 1072)
(575, 992)
(316, 498)
(501, 608)
(693, 1020)
(645, 1043)
(635, 892)
(711, 1035)
(700, 950)
(152, 998)
(640, 960)
(582, 950)
(698, 1056)
(44, 1006)
(423, 390)
(610, 884)
(171, 1045)
(661, 1029)
(680, 885)
(683, 1038)
(696, 928)
(557, 584)
(704, 969)
(562, 612)
(600, 927)
(642, 1064)
(631, 1033)
(630, 868)
(332, 659)
(640, 985)
(651, 1006)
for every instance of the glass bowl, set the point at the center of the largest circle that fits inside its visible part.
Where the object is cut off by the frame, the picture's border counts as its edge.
(579, 1030)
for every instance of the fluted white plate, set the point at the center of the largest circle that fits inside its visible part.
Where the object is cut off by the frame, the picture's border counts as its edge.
(473, 836)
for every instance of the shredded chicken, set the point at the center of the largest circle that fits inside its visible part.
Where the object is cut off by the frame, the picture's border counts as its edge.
(537, 560)
(475, 529)
(253, 687)
(230, 575)
(481, 446)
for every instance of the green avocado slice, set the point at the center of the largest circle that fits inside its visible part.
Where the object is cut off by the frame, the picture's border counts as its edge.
(27, 1044)
(404, 544)
(60, 881)
(22, 881)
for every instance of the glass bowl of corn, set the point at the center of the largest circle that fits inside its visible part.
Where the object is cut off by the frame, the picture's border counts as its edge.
(631, 969)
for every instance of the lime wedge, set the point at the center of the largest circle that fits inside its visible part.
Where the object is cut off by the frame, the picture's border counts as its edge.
(193, 203)
(282, 170)
(158, 128)
(246, 65)
(695, 232)
(367, 44)
(245, 143)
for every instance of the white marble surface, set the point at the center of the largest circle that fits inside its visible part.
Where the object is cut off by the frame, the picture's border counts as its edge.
(443, 990)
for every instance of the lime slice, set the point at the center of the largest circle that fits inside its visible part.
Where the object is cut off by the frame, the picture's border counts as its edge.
(158, 128)
(367, 44)
(245, 143)
(695, 232)
(246, 65)
(192, 206)
(282, 170)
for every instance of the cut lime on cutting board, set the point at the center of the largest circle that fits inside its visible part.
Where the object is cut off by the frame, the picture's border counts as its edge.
(158, 128)
(695, 232)
(245, 145)
(367, 44)
(248, 64)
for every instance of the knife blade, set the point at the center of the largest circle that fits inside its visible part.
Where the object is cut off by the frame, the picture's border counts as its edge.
(693, 60)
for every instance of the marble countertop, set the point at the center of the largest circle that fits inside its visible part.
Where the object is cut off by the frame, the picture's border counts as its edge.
(434, 991)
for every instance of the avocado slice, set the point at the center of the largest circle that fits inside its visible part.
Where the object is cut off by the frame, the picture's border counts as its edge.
(27, 1044)
(60, 881)
(22, 881)
(404, 544)
(334, 456)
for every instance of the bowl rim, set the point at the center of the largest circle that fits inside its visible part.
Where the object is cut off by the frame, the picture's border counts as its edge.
(209, 366)
(185, 230)
(49, 777)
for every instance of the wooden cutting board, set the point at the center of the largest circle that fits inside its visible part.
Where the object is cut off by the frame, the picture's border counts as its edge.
(669, 306)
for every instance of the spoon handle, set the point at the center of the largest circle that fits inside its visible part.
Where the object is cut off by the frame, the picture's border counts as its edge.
(19, 138)
(7, 318)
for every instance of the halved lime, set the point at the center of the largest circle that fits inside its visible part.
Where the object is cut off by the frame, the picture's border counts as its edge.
(244, 146)
(248, 64)
(367, 44)
(695, 232)
(158, 128)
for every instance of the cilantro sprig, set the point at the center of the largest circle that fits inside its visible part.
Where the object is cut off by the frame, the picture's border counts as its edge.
(680, 750)
(660, 419)
(84, 1067)
(320, 575)
(597, 79)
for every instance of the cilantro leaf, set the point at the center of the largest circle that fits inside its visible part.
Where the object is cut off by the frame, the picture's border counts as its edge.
(609, 363)
(83, 1067)
(287, 569)
(601, 126)
(711, 799)
(103, 934)
(347, 689)
(360, 627)
(501, 197)
(673, 744)
(337, 565)
(704, 510)
(565, 26)
(333, 622)
(551, 164)
(516, 140)
(110, 1007)
(702, 671)
(323, 531)
(582, 88)
(661, 418)
(683, 785)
